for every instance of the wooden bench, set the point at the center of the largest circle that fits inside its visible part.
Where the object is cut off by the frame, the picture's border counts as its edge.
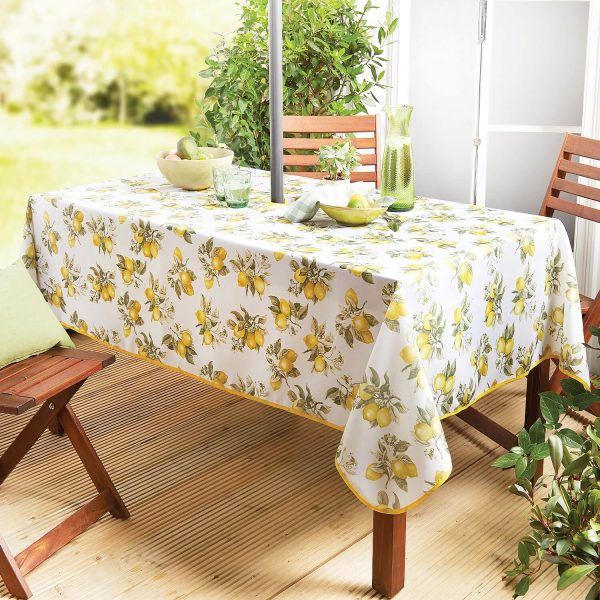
(51, 380)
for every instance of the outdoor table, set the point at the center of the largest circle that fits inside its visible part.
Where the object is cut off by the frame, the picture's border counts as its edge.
(381, 334)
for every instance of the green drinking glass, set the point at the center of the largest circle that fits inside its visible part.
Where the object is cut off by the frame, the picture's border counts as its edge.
(237, 189)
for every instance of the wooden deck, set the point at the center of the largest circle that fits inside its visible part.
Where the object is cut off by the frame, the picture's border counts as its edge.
(232, 499)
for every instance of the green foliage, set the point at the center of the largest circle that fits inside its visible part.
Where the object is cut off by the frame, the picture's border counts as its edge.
(338, 160)
(332, 65)
(565, 524)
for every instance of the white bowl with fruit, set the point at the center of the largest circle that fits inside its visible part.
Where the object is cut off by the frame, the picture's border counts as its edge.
(191, 166)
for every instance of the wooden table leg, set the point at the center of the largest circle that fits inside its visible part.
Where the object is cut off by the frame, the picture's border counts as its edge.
(389, 553)
(537, 382)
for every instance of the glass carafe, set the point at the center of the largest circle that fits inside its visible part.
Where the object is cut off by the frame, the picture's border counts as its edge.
(397, 182)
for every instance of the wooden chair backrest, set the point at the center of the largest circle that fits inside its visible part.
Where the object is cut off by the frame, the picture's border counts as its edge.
(574, 146)
(301, 127)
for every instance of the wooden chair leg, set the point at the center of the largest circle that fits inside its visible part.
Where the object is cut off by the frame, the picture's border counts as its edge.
(92, 463)
(11, 574)
(389, 553)
(537, 382)
(32, 431)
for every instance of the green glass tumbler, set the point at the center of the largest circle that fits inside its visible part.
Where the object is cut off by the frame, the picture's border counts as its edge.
(397, 178)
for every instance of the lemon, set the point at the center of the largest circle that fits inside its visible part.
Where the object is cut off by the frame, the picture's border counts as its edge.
(572, 294)
(426, 351)
(281, 321)
(422, 339)
(207, 338)
(96, 240)
(396, 310)
(558, 315)
(291, 355)
(108, 244)
(139, 236)
(127, 276)
(299, 276)
(153, 249)
(221, 252)
(201, 317)
(71, 241)
(180, 231)
(149, 293)
(186, 338)
(105, 294)
(177, 254)
(520, 284)
(320, 363)
(408, 354)
(156, 314)
(458, 315)
(259, 284)
(436, 426)
(129, 265)
(369, 412)
(134, 315)
(510, 343)
(372, 474)
(208, 282)
(239, 331)
(242, 279)
(251, 340)
(146, 250)
(491, 318)
(278, 255)
(422, 379)
(71, 290)
(519, 307)
(399, 469)
(216, 263)
(259, 337)
(357, 270)
(364, 393)
(284, 307)
(285, 364)
(351, 296)
(366, 336)
(349, 401)
(423, 432)
(275, 383)
(311, 341)
(360, 323)
(384, 417)
(181, 349)
(439, 382)
(309, 290)
(411, 470)
(55, 300)
(458, 340)
(126, 330)
(358, 201)
(500, 345)
(64, 272)
(449, 385)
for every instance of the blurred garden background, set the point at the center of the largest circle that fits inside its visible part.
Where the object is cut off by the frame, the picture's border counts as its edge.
(93, 89)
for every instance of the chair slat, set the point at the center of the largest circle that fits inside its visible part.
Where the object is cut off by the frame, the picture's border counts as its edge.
(572, 208)
(577, 168)
(302, 143)
(306, 160)
(15, 405)
(41, 390)
(330, 124)
(368, 176)
(104, 358)
(22, 365)
(577, 189)
(37, 369)
(582, 146)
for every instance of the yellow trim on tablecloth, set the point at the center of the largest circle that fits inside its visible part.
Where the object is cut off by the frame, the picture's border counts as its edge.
(496, 386)
(217, 386)
(373, 507)
(382, 509)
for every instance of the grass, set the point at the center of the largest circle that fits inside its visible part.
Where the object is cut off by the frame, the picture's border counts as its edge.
(38, 158)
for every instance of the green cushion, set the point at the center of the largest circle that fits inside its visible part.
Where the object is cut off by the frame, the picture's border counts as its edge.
(28, 324)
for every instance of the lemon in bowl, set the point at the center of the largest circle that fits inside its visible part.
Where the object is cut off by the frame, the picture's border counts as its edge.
(193, 174)
(360, 210)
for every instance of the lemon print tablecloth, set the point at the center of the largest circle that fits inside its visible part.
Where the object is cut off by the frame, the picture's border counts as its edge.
(379, 333)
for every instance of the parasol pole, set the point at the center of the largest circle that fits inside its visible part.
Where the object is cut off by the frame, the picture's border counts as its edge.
(276, 98)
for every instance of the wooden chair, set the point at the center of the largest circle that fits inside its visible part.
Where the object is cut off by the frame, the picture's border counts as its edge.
(297, 140)
(575, 146)
(50, 380)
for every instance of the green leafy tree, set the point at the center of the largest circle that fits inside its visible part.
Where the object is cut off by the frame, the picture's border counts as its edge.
(333, 62)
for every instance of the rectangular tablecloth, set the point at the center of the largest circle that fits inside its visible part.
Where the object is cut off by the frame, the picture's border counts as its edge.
(378, 333)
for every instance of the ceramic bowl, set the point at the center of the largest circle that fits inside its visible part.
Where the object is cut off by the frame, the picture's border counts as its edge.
(353, 217)
(194, 174)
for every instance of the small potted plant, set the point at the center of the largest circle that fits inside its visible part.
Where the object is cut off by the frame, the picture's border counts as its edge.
(338, 161)
(565, 522)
